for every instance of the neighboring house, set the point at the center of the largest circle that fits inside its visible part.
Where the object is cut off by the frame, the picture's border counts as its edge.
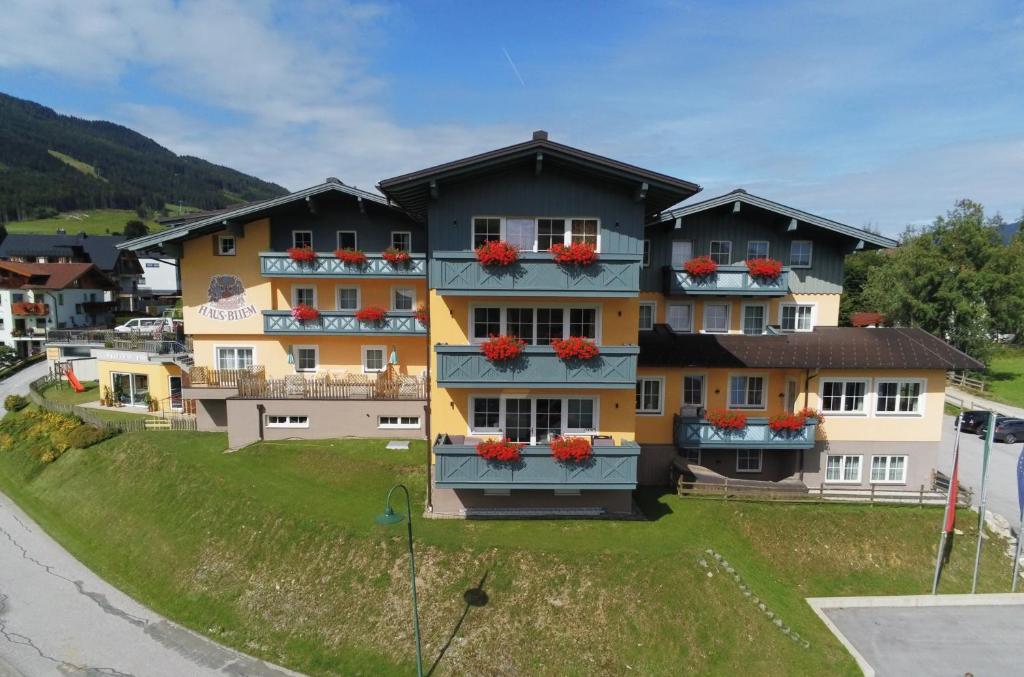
(867, 319)
(121, 266)
(36, 297)
(672, 346)
(161, 279)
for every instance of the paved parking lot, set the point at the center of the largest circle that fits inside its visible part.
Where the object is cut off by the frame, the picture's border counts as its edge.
(1002, 474)
(929, 635)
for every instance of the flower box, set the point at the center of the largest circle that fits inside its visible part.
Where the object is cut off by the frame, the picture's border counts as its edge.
(768, 269)
(571, 449)
(421, 315)
(301, 254)
(726, 420)
(575, 348)
(304, 313)
(811, 414)
(396, 257)
(371, 314)
(502, 451)
(577, 253)
(350, 257)
(786, 423)
(701, 266)
(497, 253)
(502, 348)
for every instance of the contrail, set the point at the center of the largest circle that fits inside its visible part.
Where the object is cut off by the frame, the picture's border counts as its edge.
(513, 64)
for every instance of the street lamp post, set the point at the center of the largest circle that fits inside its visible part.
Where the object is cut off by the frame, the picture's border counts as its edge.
(390, 517)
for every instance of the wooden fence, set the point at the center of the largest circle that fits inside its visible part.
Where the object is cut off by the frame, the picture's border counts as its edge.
(126, 425)
(962, 380)
(893, 496)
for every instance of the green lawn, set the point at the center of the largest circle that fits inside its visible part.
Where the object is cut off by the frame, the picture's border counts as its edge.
(1004, 379)
(273, 549)
(92, 221)
(62, 392)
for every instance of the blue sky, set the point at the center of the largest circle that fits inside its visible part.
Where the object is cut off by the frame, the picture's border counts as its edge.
(872, 113)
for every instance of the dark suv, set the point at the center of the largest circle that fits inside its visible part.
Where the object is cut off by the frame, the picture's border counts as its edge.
(972, 421)
(1008, 430)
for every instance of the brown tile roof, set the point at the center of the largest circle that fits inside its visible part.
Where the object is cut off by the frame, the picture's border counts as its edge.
(823, 348)
(866, 319)
(57, 275)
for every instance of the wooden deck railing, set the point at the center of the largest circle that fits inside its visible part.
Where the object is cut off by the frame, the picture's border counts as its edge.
(336, 387)
(204, 377)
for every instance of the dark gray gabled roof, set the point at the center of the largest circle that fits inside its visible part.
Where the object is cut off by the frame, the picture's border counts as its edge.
(740, 195)
(247, 212)
(412, 190)
(101, 250)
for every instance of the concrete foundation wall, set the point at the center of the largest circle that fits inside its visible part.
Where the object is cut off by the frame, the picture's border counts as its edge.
(211, 415)
(654, 464)
(451, 502)
(328, 419)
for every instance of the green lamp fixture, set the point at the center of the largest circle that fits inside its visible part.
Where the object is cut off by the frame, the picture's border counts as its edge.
(390, 518)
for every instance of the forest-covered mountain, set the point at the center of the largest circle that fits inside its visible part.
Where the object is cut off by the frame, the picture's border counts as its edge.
(51, 162)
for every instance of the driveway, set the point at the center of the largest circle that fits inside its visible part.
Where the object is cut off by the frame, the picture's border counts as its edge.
(17, 384)
(58, 618)
(1002, 469)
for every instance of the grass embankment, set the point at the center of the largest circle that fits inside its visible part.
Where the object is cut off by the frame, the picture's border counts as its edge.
(1004, 379)
(64, 393)
(273, 549)
(90, 221)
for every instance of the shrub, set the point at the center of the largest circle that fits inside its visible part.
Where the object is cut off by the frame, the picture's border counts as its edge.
(503, 451)
(304, 313)
(576, 449)
(301, 254)
(15, 402)
(497, 253)
(371, 314)
(396, 257)
(768, 269)
(700, 266)
(726, 420)
(575, 348)
(501, 348)
(350, 257)
(85, 435)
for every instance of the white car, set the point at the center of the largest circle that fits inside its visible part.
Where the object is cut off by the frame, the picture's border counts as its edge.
(148, 325)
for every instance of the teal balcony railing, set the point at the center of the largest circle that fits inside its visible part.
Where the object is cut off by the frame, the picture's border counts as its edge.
(696, 433)
(458, 466)
(278, 264)
(538, 367)
(458, 273)
(734, 279)
(340, 323)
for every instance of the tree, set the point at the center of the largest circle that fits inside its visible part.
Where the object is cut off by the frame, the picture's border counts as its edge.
(855, 275)
(135, 228)
(8, 356)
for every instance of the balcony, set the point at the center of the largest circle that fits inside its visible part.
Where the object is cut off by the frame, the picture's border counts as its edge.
(458, 273)
(734, 279)
(154, 343)
(29, 309)
(696, 433)
(458, 466)
(342, 323)
(278, 264)
(537, 367)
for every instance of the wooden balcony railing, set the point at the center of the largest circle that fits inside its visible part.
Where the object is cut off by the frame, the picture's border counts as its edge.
(346, 386)
(204, 377)
(732, 279)
(278, 264)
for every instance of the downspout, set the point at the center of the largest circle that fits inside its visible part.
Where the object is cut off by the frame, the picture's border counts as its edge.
(807, 387)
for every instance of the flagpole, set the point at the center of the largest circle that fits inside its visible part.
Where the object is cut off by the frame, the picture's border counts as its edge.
(951, 491)
(1020, 524)
(990, 434)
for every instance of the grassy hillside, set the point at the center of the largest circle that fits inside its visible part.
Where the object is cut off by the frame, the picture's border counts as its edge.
(92, 222)
(273, 549)
(1004, 379)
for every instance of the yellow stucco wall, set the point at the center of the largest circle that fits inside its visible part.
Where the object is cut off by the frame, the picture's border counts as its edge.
(158, 373)
(657, 429)
(827, 307)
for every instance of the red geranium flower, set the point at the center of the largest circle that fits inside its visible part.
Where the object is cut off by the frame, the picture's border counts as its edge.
(497, 253)
(396, 257)
(575, 348)
(371, 314)
(350, 257)
(726, 420)
(577, 253)
(786, 422)
(503, 451)
(501, 348)
(421, 315)
(700, 266)
(301, 254)
(764, 268)
(810, 413)
(576, 449)
(304, 313)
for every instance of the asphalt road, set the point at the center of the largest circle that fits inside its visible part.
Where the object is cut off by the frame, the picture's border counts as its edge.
(18, 383)
(1002, 472)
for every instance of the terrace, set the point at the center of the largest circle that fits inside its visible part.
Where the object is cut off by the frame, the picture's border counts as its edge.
(458, 273)
(538, 367)
(326, 265)
(732, 279)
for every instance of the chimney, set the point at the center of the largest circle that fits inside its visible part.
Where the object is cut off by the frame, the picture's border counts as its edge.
(540, 135)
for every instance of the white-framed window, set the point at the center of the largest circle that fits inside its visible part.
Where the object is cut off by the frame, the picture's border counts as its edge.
(403, 298)
(647, 254)
(679, 316)
(585, 230)
(521, 233)
(693, 390)
(347, 298)
(796, 316)
(225, 245)
(757, 249)
(755, 318)
(286, 421)
(234, 357)
(306, 358)
(129, 389)
(721, 252)
(402, 240)
(889, 469)
(486, 229)
(747, 391)
(407, 422)
(899, 397)
(748, 460)
(535, 325)
(716, 318)
(532, 419)
(549, 233)
(648, 312)
(649, 392)
(842, 468)
(374, 359)
(800, 253)
(844, 396)
(347, 239)
(304, 294)
(302, 239)
(682, 251)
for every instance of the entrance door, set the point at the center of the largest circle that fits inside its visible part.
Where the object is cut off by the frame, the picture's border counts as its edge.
(175, 389)
(518, 419)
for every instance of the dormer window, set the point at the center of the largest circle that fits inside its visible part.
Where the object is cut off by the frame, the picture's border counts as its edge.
(721, 252)
(486, 230)
(225, 245)
(800, 253)
(584, 230)
(302, 239)
(757, 249)
(401, 240)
